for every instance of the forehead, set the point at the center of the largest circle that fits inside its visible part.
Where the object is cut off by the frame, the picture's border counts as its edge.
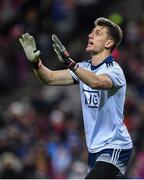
(101, 28)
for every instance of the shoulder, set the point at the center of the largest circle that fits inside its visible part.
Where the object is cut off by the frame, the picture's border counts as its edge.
(111, 65)
(85, 63)
(114, 69)
(117, 67)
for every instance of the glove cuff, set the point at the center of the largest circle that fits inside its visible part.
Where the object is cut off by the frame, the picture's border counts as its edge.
(74, 68)
(36, 65)
(72, 65)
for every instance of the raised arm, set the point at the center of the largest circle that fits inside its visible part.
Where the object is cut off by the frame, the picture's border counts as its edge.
(53, 78)
(60, 77)
(45, 75)
(89, 78)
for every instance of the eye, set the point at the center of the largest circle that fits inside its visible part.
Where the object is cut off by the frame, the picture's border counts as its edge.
(97, 33)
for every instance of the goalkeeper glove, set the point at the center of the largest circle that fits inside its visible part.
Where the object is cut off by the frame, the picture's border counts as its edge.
(31, 52)
(62, 54)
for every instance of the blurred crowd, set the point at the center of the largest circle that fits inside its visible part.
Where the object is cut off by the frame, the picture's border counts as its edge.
(41, 128)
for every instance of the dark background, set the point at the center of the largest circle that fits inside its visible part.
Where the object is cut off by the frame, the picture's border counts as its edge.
(41, 128)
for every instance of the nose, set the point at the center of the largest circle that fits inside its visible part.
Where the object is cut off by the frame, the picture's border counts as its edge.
(90, 35)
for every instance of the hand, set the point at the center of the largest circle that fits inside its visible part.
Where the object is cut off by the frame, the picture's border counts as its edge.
(29, 46)
(60, 49)
(62, 53)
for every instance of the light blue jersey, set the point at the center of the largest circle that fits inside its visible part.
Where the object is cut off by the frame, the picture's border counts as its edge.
(103, 109)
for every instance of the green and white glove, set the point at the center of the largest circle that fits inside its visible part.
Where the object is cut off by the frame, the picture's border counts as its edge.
(29, 45)
(62, 54)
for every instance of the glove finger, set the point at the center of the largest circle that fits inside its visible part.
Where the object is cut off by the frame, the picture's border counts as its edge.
(21, 41)
(58, 43)
(32, 41)
(25, 37)
(58, 54)
(56, 49)
(37, 53)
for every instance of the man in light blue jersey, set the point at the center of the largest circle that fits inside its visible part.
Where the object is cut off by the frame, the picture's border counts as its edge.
(102, 89)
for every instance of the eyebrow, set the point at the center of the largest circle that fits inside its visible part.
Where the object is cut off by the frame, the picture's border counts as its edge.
(97, 30)
(101, 30)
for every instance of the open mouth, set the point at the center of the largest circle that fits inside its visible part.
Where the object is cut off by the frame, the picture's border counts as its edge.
(90, 43)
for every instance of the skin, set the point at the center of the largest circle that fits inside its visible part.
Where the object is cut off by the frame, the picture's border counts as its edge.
(99, 44)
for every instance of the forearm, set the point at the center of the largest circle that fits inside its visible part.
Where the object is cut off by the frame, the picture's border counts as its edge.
(52, 78)
(43, 74)
(93, 80)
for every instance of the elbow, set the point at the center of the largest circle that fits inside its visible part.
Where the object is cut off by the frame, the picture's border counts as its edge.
(43, 82)
(94, 85)
(46, 83)
(99, 85)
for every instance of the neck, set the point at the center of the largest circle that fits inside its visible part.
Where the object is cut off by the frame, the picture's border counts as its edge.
(99, 58)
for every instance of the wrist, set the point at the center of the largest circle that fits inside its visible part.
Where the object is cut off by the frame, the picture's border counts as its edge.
(36, 65)
(70, 63)
(75, 67)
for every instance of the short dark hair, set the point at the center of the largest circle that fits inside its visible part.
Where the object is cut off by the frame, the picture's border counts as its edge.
(114, 30)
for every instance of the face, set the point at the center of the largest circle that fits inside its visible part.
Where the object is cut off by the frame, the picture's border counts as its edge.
(97, 40)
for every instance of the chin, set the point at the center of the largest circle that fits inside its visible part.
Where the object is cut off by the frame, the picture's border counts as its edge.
(89, 50)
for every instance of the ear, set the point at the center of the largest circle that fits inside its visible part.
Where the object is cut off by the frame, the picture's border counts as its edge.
(109, 43)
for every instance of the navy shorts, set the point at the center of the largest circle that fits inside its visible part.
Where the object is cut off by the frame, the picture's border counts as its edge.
(117, 157)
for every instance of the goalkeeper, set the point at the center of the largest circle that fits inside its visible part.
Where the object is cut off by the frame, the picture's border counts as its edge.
(102, 89)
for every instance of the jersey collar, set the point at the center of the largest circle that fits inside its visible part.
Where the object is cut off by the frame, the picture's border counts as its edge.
(109, 62)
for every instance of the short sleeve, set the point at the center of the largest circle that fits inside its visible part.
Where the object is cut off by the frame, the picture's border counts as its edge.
(115, 73)
(75, 78)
